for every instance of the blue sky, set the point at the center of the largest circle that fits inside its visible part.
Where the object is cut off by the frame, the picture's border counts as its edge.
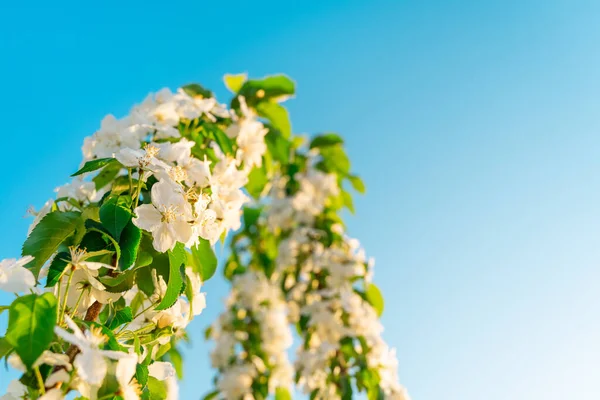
(474, 124)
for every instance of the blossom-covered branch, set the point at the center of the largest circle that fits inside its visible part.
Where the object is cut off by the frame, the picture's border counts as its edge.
(294, 240)
(113, 267)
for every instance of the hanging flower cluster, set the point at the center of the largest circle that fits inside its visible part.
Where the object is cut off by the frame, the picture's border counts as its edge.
(295, 241)
(112, 269)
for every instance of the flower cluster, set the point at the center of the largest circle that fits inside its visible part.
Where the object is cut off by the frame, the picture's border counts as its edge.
(113, 267)
(296, 241)
(252, 337)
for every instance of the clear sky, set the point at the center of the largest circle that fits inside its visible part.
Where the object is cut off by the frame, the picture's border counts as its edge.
(475, 125)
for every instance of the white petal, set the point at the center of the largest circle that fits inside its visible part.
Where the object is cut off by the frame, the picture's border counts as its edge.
(182, 231)
(17, 279)
(161, 370)
(95, 266)
(91, 366)
(126, 369)
(148, 217)
(163, 239)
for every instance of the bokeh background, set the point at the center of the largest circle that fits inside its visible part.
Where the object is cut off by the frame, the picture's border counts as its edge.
(475, 125)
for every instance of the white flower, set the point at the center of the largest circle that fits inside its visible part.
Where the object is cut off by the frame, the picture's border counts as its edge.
(14, 277)
(126, 367)
(166, 218)
(16, 391)
(161, 370)
(143, 159)
(90, 363)
(199, 299)
(53, 394)
(47, 357)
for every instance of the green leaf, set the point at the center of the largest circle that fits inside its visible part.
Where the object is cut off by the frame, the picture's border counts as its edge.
(121, 282)
(212, 395)
(141, 374)
(271, 87)
(107, 175)
(94, 165)
(277, 115)
(177, 361)
(257, 179)
(234, 82)
(177, 258)
(224, 142)
(115, 214)
(357, 184)
(5, 347)
(347, 198)
(3, 308)
(278, 146)
(335, 159)
(326, 139)
(131, 237)
(251, 215)
(31, 321)
(195, 90)
(48, 234)
(156, 390)
(205, 260)
(375, 298)
(282, 393)
(57, 266)
(123, 316)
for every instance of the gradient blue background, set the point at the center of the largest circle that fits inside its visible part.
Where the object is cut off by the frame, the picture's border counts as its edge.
(474, 123)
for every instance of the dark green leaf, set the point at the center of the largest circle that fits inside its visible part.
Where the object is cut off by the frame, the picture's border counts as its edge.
(278, 146)
(141, 374)
(31, 321)
(205, 260)
(115, 214)
(94, 165)
(107, 175)
(326, 139)
(48, 234)
(251, 216)
(131, 237)
(195, 90)
(123, 316)
(57, 266)
(177, 258)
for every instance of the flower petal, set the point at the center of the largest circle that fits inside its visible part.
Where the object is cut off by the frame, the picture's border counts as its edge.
(148, 217)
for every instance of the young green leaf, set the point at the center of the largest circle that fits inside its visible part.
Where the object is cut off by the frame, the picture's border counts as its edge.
(257, 179)
(196, 90)
(205, 260)
(31, 321)
(375, 298)
(282, 393)
(115, 214)
(48, 234)
(224, 142)
(277, 115)
(234, 82)
(94, 165)
(357, 183)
